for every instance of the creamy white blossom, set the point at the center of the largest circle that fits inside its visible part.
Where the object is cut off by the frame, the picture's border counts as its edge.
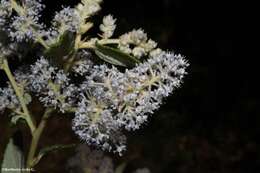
(88, 8)
(142, 46)
(108, 27)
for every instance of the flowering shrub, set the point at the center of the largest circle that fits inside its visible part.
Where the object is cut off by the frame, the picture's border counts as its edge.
(110, 85)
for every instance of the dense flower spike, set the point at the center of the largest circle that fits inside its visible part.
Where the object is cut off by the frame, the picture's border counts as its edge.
(115, 99)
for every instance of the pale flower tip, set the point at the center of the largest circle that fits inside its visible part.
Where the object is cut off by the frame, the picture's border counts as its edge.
(108, 26)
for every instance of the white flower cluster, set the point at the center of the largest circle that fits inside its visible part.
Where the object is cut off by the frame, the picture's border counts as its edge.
(116, 100)
(8, 99)
(5, 11)
(52, 85)
(67, 20)
(108, 27)
(84, 65)
(96, 125)
(85, 9)
(142, 46)
(25, 25)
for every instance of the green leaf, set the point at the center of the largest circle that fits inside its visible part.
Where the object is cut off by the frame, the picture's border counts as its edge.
(13, 157)
(61, 48)
(121, 168)
(115, 56)
(49, 149)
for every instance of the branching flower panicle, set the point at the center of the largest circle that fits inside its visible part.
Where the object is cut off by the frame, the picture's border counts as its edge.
(76, 73)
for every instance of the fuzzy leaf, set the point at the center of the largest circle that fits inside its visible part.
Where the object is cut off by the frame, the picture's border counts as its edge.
(13, 157)
(115, 56)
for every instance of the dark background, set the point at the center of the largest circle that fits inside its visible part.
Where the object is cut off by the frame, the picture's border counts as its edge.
(210, 124)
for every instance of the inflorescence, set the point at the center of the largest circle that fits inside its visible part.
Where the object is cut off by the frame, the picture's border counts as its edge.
(105, 99)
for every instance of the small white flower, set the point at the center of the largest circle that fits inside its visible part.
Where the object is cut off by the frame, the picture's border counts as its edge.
(150, 45)
(88, 8)
(138, 36)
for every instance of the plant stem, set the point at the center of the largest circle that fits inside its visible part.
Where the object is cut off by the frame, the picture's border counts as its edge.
(36, 137)
(19, 94)
(89, 45)
(42, 42)
(109, 41)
